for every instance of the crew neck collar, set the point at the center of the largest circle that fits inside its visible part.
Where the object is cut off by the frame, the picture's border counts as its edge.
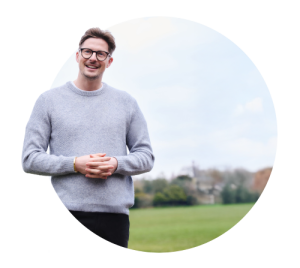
(79, 91)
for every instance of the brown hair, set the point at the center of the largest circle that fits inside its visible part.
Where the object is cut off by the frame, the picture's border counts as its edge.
(98, 33)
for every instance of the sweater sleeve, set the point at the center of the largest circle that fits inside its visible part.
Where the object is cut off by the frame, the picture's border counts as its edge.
(141, 158)
(35, 159)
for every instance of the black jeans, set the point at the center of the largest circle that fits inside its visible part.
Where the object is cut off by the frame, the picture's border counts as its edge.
(112, 227)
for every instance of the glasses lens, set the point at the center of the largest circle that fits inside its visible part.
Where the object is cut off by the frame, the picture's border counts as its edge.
(101, 55)
(86, 53)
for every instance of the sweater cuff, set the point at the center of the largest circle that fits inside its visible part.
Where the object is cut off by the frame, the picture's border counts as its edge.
(120, 167)
(71, 167)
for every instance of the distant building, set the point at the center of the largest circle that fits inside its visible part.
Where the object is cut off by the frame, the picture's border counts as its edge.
(208, 189)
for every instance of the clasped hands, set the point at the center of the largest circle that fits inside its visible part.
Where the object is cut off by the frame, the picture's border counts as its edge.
(96, 165)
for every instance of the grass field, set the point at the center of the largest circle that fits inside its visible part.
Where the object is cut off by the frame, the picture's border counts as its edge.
(179, 228)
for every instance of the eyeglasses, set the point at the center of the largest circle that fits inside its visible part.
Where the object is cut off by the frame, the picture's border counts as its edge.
(87, 53)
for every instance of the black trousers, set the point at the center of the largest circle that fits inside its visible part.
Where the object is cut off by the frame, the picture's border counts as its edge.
(112, 227)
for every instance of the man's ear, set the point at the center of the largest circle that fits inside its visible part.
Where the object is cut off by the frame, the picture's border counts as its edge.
(111, 59)
(77, 56)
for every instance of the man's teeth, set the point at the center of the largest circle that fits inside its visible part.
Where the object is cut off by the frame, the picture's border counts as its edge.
(93, 67)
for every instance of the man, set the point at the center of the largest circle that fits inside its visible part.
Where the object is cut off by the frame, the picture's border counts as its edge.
(87, 125)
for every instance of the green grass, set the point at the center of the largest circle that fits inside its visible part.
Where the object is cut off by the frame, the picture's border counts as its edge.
(178, 228)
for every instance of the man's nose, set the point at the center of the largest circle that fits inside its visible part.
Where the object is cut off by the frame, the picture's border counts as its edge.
(94, 56)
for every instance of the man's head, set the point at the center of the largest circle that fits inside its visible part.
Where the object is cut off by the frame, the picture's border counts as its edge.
(95, 53)
(97, 33)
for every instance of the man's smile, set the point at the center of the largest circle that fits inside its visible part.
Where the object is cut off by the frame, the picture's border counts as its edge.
(92, 67)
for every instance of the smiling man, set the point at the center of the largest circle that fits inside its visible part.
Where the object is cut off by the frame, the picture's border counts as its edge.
(87, 125)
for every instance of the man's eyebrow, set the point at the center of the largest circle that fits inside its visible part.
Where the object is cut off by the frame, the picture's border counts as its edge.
(98, 50)
(94, 50)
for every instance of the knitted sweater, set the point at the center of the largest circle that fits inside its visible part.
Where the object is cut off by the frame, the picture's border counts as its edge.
(74, 122)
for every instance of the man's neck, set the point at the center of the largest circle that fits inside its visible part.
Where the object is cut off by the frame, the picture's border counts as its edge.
(88, 85)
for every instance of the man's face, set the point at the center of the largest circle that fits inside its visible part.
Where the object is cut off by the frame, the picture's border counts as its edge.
(92, 68)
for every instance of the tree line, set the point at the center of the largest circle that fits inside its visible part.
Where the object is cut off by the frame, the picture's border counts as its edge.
(205, 187)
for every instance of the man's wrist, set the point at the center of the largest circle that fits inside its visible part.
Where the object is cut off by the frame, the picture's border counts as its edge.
(74, 163)
(116, 165)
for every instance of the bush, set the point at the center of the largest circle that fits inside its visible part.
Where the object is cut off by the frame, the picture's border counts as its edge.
(240, 194)
(154, 186)
(160, 199)
(173, 195)
(228, 194)
(142, 200)
(191, 200)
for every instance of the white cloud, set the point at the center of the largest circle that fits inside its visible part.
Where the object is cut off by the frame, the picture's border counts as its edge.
(253, 106)
(272, 145)
(239, 110)
(229, 133)
(251, 148)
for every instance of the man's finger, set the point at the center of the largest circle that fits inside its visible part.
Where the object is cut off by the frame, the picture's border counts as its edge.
(97, 155)
(101, 175)
(98, 172)
(100, 159)
(99, 164)
(92, 171)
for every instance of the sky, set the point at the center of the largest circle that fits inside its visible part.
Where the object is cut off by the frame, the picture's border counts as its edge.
(203, 98)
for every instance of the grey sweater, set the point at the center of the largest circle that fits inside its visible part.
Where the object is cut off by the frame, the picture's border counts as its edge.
(73, 122)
